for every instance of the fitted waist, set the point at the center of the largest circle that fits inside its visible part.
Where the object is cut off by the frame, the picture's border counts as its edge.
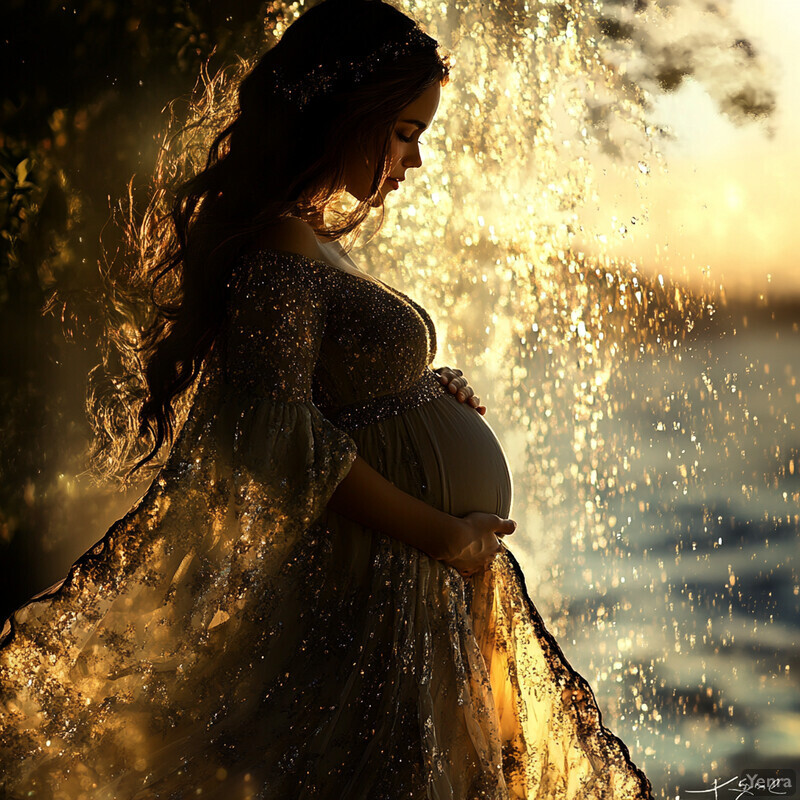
(358, 415)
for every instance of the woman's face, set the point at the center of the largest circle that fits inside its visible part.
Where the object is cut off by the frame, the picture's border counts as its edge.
(404, 150)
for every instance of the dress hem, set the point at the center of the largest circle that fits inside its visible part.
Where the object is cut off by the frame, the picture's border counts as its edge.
(544, 635)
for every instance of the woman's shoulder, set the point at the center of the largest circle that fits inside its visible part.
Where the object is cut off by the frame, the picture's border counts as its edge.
(283, 261)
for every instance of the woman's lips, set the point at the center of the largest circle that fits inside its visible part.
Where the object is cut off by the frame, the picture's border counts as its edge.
(394, 183)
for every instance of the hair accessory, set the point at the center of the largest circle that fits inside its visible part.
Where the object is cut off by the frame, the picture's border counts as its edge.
(321, 79)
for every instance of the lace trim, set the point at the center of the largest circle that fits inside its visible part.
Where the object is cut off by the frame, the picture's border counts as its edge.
(359, 415)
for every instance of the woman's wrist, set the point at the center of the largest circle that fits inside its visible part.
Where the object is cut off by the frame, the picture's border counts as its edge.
(446, 545)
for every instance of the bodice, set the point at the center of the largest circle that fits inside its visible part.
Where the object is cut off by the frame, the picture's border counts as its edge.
(370, 340)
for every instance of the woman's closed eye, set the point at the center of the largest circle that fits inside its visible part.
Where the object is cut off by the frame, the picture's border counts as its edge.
(407, 138)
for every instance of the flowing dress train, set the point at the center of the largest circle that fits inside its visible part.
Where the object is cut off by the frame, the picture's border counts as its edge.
(230, 637)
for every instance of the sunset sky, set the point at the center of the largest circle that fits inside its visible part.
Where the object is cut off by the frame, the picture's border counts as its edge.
(726, 211)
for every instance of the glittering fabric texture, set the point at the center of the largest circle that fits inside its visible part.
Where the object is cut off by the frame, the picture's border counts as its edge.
(375, 409)
(231, 638)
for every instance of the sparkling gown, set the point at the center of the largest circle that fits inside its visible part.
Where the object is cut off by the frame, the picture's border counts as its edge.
(230, 637)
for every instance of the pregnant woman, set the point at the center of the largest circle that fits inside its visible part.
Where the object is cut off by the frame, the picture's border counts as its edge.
(313, 598)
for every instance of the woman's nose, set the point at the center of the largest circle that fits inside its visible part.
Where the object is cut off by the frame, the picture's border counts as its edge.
(413, 159)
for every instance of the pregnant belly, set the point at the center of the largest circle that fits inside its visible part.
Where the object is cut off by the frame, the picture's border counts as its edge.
(443, 452)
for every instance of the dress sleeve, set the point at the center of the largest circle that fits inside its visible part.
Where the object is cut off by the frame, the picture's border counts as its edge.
(156, 630)
(284, 451)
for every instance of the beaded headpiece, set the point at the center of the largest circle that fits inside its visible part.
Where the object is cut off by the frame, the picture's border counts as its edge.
(321, 79)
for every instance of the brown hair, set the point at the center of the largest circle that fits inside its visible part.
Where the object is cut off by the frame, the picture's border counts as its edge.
(270, 160)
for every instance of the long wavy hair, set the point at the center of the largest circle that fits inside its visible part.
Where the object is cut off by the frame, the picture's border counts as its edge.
(266, 159)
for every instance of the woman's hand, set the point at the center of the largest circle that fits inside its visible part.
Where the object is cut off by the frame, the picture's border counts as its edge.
(476, 542)
(457, 384)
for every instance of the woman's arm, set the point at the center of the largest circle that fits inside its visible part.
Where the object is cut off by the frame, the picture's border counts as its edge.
(467, 543)
(366, 497)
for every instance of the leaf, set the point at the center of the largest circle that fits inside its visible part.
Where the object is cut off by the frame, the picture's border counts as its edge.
(22, 170)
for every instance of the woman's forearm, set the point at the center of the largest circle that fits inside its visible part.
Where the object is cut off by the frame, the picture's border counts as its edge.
(366, 497)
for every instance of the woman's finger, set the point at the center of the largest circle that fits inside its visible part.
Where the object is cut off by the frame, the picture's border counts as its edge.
(464, 394)
(475, 402)
(456, 382)
(446, 375)
(505, 527)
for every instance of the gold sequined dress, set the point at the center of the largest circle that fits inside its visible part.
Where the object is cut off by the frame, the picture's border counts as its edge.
(230, 637)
